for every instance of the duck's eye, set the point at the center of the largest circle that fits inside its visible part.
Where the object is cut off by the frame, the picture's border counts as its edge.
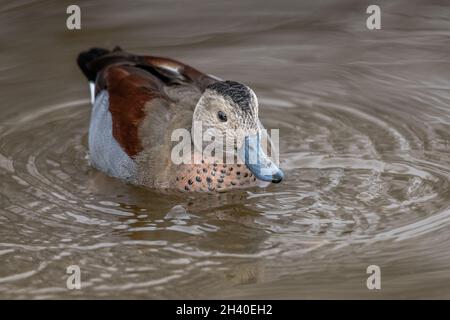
(222, 116)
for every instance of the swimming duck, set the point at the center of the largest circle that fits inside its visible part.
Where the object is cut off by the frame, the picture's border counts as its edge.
(138, 101)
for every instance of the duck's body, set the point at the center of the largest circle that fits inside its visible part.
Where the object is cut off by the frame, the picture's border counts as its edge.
(138, 102)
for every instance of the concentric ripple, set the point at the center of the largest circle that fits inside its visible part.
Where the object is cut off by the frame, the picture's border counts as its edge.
(364, 123)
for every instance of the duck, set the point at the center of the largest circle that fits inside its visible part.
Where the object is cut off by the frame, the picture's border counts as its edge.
(139, 101)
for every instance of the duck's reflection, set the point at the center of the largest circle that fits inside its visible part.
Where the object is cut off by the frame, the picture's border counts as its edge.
(221, 233)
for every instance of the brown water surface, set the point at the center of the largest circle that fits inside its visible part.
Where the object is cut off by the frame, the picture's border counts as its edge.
(364, 123)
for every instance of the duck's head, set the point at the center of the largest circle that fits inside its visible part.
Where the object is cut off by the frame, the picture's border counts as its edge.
(229, 110)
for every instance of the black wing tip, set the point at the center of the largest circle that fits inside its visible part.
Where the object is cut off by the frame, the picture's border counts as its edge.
(86, 57)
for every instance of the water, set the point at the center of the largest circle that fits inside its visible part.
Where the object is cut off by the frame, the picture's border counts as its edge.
(364, 125)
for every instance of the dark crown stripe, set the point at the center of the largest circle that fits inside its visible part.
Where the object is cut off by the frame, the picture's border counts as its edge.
(237, 92)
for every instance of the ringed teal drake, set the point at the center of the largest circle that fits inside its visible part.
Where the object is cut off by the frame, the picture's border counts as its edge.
(138, 101)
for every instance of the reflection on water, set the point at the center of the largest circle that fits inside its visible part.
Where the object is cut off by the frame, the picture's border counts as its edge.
(364, 139)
